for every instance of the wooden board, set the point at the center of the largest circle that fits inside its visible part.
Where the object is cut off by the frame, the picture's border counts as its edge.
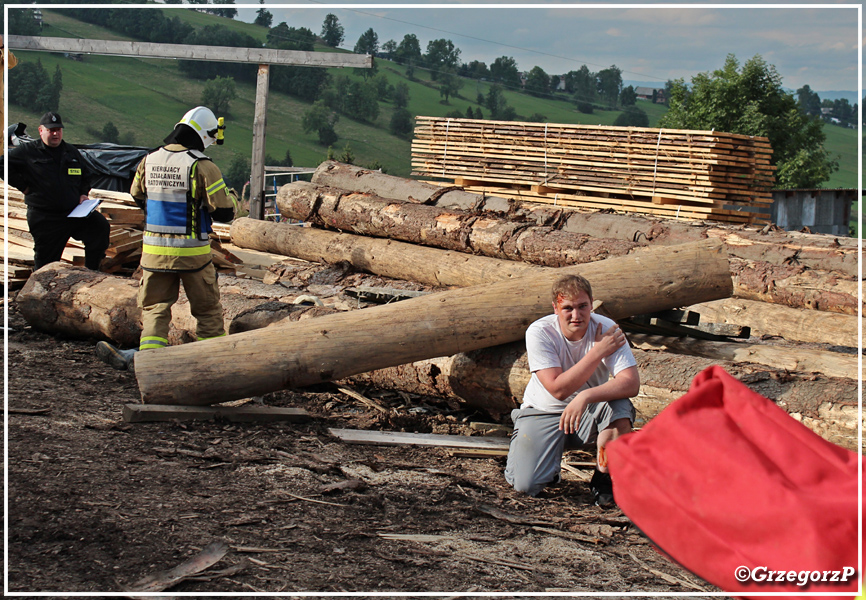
(142, 413)
(399, 438)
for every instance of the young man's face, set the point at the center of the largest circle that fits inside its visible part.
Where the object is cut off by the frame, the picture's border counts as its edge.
(573, 314)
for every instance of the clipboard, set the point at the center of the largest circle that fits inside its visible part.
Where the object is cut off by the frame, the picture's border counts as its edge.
(85, 208)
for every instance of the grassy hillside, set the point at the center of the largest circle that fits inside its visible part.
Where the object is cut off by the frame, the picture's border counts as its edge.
(146, 97)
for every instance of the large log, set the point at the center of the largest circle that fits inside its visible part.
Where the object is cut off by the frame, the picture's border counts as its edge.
(494, 379)
(789, 283)
(769, 244)
(793, 324)
(389, 258)
(61, 299)
(449, 229)
(440, 324)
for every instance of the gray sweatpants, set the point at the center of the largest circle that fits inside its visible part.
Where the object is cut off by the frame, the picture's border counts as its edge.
(537, 443)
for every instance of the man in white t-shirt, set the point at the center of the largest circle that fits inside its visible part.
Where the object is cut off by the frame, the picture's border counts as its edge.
(583, 376)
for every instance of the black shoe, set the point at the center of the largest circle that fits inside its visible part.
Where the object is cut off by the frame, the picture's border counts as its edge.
(602, 489)
(116, 358)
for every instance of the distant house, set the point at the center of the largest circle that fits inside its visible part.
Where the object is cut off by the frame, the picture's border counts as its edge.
(650, 93)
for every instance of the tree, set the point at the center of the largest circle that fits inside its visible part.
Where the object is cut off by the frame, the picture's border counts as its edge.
(809, 101)
(321, 119)
(474, 70)
(449, 83)
(228, 13)
(441, 56)
(332, 31)
(368, 43)
(401, 94)
(263, 16)
(31, 87)
(751, 101)
(218, 94)
(504, 71)
(301, 82)
(610, 84)
(22, 22)
(497, 105)
(628, 97)
(583, 85)
(537, 82)
(632, 116)
(110, 133)
(408, 50)
(238, 173)
(390, 49)
(401, 122)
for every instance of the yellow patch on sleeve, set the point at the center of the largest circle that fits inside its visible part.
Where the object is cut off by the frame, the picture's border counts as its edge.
(74, 171)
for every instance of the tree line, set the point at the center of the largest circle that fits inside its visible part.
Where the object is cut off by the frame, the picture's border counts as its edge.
(749, 100)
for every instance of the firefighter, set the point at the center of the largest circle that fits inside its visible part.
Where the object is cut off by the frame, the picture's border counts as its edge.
(181, 191)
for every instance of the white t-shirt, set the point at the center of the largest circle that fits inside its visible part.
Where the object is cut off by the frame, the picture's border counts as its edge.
(546, 347)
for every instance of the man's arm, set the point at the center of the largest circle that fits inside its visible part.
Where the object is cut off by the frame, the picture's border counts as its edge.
(137, 189)
(625, 384)
(562, 384)
(221, 206)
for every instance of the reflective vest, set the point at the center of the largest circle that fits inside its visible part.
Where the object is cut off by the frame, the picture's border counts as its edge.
(176, 224)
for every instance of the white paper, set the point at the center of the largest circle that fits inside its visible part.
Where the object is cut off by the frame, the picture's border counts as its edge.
(85, 208)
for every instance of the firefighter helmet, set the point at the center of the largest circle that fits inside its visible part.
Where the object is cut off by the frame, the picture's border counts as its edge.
(203, 121)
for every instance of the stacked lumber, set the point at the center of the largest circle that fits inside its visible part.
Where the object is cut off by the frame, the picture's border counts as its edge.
(667, 172)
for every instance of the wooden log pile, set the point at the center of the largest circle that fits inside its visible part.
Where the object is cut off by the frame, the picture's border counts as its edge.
(677, 173)
(501, 255)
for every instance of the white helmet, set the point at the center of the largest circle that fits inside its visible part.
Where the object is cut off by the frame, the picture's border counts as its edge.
(204, 122)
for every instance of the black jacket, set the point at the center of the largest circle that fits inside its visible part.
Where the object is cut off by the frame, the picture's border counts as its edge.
(56, 179)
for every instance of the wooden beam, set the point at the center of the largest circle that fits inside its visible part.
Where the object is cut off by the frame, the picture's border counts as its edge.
(257, 169)
(398, 438)
(141, 413)
(259, 56)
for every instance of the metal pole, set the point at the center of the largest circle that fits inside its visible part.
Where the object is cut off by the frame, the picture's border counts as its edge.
(257, 166)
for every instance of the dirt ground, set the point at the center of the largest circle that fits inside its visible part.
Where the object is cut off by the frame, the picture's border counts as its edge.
(96, 504)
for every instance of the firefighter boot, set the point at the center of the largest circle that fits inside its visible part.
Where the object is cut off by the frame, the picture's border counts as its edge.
(115, 357)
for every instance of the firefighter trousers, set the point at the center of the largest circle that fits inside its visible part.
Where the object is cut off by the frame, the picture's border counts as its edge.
(160, 290)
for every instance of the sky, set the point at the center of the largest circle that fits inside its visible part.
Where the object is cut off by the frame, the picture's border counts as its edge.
(809, 44)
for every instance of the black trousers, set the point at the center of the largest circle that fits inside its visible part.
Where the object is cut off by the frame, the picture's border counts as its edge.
(51, 231)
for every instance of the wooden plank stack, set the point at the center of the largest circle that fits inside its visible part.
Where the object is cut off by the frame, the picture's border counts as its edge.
(124, 251)
(125, 218)
(667, 172)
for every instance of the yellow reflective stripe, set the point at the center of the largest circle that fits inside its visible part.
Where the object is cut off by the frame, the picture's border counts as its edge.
(194, 124)
(170, 251)
(151, 346)
(215, 187)
(211, 338)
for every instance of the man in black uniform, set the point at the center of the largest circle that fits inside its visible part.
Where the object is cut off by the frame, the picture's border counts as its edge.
(55, 180)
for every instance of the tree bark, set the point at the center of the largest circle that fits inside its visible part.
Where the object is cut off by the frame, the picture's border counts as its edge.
(461, 231)
(789, 283)
(389, 258)
(61, 299)
(790, 323)
(768, 244)
(794, 286)
(336, 346)
(494, 379)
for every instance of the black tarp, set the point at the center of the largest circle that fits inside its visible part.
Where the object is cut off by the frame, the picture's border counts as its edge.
(113, 165)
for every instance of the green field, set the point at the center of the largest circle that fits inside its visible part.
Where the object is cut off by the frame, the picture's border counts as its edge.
(146, 97)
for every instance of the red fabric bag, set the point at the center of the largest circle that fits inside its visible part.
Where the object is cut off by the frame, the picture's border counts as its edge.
(723, 479)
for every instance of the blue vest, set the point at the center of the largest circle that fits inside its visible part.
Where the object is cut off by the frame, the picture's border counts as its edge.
(176, 224)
